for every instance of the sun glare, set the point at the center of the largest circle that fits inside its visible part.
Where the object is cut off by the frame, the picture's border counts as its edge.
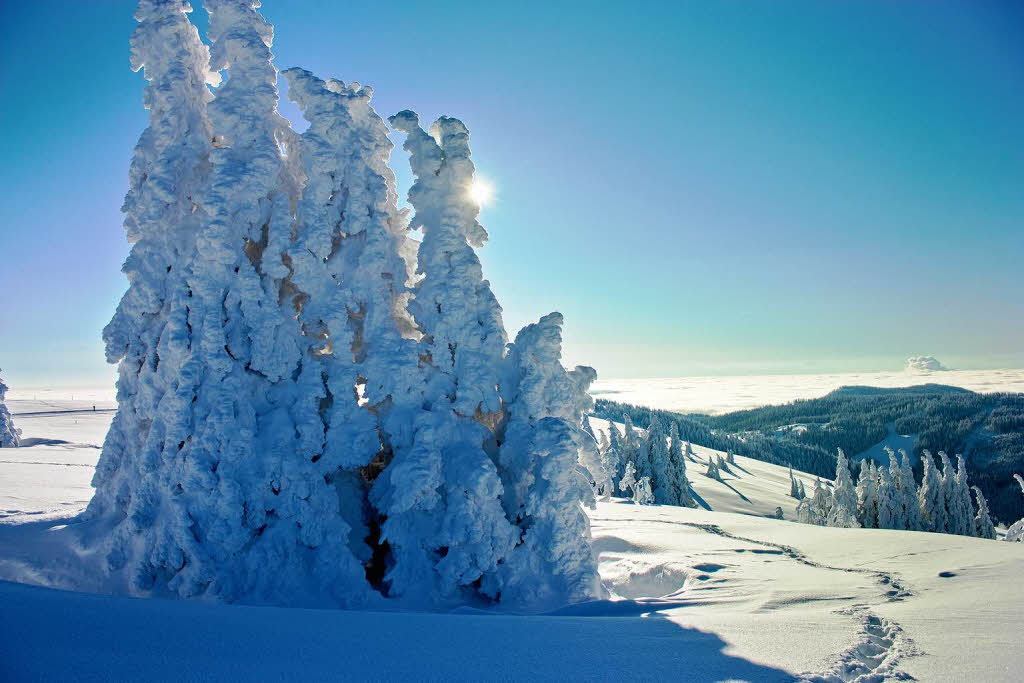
(481, 191)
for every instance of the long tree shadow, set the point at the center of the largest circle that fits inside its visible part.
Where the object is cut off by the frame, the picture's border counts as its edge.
(65, 636)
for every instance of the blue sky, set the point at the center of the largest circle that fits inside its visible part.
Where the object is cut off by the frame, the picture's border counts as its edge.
(700, 187)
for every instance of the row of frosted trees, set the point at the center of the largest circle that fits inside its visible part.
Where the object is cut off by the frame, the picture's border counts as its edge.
(887, 497)
(651, 468)
(313, 408)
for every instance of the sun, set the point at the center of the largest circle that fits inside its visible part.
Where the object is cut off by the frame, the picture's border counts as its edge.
(481, 191)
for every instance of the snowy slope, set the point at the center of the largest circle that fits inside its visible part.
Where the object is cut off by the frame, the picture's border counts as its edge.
(753, 488)
(696, 595)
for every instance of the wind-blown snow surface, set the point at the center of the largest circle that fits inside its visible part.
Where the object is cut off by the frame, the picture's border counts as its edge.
(716, 395)
(696, 594)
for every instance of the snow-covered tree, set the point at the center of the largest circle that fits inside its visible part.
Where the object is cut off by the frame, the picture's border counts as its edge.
(889, 501)
(680, 481)
(932, 502)
(803, 491)
(631, 444)
(441, 494)
(983, 527)
(606, 487)
(730, 458)
(642, 493)
(209, 476)
(815, 509)
(1015, 534)
(644, 466)
(794, 487)
(543, 489)
(628, 482)
(843, 512)
(9, 435)
(961, 500)
(722, 464)
(713, 472)
(615, 452)
(689, 452)
(661, 475)
(310, 412)
(911, 507)
(947, 479)
(867, 496)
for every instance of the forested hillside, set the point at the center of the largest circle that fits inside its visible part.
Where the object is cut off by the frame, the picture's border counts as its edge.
(987, 428)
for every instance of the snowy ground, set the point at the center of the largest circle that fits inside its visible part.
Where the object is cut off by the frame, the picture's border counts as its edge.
(715, 395)
(710, 594)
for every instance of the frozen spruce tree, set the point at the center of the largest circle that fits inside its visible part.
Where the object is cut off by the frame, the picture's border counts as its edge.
(983, 527)
(628, 482)
(947, 479)
(932, 501)
(888, 501)
(962, 500)
(662, 475)
(911, 507)
(605, 486)
(615, 451)
(794, 488)
(843, 512)
(642, 493)
(543, 487)
(9, 436)
(440, 494)
(713, 472)
(677, 462)
(867, 495)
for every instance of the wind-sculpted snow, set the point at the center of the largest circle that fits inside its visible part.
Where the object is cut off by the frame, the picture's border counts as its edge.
(308, 411)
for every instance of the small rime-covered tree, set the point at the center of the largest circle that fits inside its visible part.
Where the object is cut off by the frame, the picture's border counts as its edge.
(803, 492)
(867, 496)
(947, 479)
(662, 474)
(722, 464)
(543, 489)
(689, 452)
(961, 500)
(642, 492)
(794, 488)
(932, 504)
(677, 462)
(889, 504)
(910, 505)
(713, 471)
(983, 527)
(10, 437)
(730, 457)
(616, 453)
(815, 508)
(843, 512)
(644, 445)
(628, 482)
(1015, 534)
(606, 486)
(590, 462)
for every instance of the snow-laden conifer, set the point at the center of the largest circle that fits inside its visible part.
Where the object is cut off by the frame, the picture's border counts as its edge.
(642, 493)
(713, 472)
(867, 496)
(794, 487)
(441, 493)
(933, 509)
(543, 487)
(616, 453)
(10, 437)
(983, 527)
(903, 500)
(1015, 534)
(962, 500)
(661, 475)
(628, 482)
(816, 508)
(606, 487)
(644, 466)
(677, 461)
(803, 490)
(889, 501)
(843, 512)
(911, 506)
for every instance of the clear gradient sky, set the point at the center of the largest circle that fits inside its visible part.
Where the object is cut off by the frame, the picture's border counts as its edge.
(700, 187)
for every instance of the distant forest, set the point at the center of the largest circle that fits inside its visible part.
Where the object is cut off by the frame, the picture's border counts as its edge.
(988, 429)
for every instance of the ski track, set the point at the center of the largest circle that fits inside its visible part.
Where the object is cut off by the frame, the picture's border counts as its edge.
(881, 644)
